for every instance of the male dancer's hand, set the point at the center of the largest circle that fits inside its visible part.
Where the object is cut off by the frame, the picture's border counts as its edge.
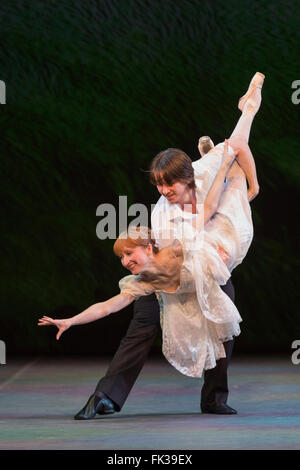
(62, 325)
(223, 254)
(228, 157)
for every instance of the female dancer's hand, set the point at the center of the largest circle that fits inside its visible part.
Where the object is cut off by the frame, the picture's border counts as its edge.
(62, 325)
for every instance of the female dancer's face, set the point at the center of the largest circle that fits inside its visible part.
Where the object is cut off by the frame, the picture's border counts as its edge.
(135, 258)
(174, 193)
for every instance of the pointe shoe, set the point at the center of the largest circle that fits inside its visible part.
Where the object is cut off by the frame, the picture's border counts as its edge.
(256, 83)
(205, 144)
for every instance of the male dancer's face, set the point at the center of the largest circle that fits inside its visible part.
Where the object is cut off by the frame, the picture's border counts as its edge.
(175, 193)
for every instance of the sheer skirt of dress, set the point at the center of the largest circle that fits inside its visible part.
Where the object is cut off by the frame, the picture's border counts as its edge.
(199, 317)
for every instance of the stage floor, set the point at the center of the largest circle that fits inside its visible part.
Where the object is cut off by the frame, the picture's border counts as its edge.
(40, 396)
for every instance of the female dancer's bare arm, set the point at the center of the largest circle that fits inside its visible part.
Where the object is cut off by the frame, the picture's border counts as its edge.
(92, 313)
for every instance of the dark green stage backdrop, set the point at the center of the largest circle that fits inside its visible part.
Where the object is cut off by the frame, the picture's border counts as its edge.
(94, 90)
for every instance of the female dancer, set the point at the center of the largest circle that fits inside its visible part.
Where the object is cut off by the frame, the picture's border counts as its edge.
(197, 317)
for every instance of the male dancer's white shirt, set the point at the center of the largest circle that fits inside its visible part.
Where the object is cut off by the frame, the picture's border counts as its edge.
(168, 220)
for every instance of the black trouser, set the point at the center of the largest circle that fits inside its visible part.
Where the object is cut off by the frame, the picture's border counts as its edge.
(134, 349)
(215, 387)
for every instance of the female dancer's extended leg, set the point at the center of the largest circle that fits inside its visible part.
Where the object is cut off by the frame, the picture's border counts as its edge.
(249, 104)
(246, 161)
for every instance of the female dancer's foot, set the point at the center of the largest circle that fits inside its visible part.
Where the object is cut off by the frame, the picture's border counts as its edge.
(250, 102)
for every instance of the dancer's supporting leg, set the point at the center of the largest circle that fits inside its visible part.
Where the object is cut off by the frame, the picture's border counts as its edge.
(112, 390)
(132, 353)
(215, 391)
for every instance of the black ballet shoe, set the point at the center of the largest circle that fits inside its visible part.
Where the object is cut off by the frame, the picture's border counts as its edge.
(96, 404)
(221, 409)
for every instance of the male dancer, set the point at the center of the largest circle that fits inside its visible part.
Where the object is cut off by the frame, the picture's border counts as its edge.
(112, 390)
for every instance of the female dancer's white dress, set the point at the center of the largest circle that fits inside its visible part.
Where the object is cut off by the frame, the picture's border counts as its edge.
(199, 317)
